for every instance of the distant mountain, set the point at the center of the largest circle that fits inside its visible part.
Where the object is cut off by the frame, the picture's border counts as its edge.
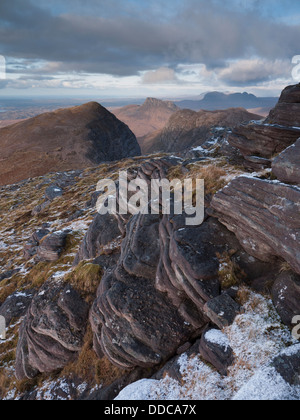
(187, 128)
(67, 139)
(217, 101)
(144, 119)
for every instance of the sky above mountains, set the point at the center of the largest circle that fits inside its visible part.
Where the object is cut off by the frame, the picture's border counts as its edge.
(144, 48)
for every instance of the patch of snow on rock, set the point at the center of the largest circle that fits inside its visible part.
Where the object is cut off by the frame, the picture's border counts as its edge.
(256, 337)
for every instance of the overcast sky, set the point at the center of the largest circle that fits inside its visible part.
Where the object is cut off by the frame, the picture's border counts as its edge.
(163, 48)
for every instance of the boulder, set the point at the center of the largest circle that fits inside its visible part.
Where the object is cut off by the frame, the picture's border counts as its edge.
(40, 208)
(215, 349)
(51, 335)
(40, 234)
(265, 217)
(51, 247)
(279, 131)
(286, 166)
(222, 310)
(53, 192)
(286, 296)
(287, 111)
(16, 305)
(31, 247)
(287, 364)
(262, 140)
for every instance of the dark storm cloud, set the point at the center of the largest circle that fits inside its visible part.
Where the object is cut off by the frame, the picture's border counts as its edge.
(111, 38)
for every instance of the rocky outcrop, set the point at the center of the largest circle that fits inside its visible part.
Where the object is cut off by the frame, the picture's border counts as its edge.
(109, 229)
(152, 302)
(279, 131)
(262, 140)
(52, 332)
(286, 166)
(67, 139)
(265, 217)
(53, 192)
(286, 296)
(287, 111)
(134, 324)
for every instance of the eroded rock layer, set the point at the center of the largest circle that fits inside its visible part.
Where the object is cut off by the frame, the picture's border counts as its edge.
(265, 217)
(52, 332)
(279, 131)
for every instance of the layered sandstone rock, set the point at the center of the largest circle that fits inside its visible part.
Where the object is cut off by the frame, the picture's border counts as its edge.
(262, 140)
(265, 217)
(286, 166)
(280, 130)
(52, 332)
(287, 111)
(152, 302)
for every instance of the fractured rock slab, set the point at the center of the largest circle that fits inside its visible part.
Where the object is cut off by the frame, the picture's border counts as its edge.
(265, 217)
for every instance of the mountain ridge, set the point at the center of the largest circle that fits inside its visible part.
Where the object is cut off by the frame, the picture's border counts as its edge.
(65, 139)
(213, 101)
(187, 128)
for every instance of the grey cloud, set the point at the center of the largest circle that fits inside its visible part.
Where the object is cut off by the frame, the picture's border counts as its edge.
(254, 71)
(201, 32)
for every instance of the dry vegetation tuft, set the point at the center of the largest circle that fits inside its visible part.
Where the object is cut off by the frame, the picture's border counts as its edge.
(90, 368)
(230, 273)
(85, 278)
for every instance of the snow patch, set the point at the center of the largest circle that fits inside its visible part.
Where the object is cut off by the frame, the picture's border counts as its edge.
(256, 337)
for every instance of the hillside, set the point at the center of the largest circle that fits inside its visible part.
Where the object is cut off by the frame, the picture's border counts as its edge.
(188, 128)
(67, 139)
